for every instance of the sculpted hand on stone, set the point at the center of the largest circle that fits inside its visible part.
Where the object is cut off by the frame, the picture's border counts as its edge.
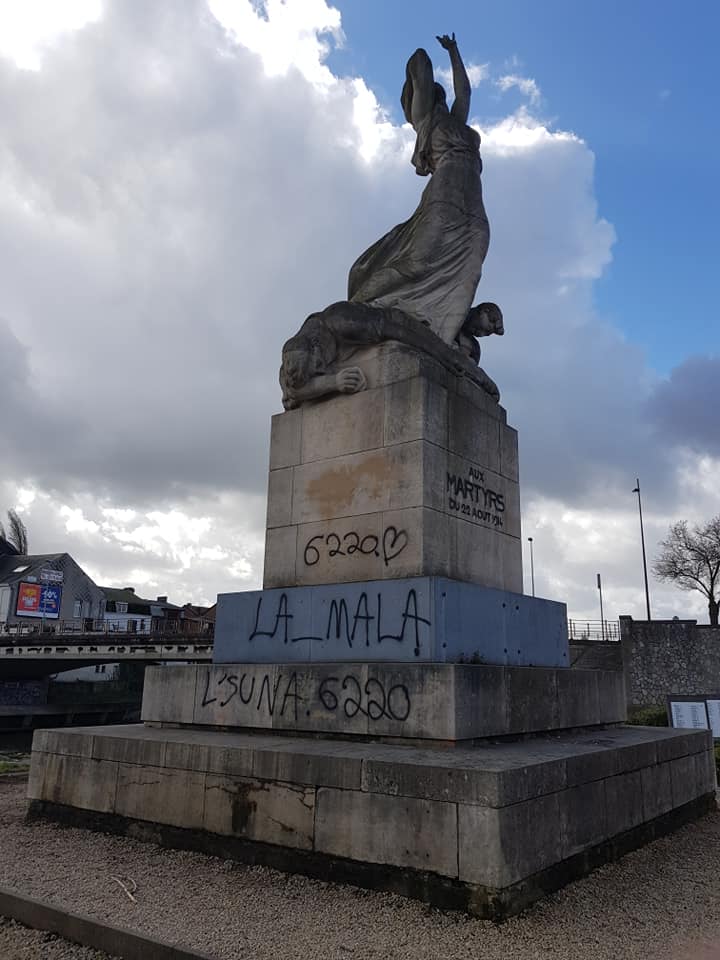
(416, 284)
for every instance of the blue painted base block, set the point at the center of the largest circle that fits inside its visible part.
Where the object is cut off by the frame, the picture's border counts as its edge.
(430, 619)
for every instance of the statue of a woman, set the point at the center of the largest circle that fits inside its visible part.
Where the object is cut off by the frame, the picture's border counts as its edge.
(429, 267)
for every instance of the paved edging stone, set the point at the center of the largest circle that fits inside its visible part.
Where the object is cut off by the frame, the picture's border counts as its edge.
(117, 941)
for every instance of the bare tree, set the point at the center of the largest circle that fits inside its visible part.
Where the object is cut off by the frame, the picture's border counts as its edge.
(691, 559)
(17, 533)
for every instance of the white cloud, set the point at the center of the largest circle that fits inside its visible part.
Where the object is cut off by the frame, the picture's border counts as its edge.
(477, 73)
(526, 85)
(28, 28)
(176, 197)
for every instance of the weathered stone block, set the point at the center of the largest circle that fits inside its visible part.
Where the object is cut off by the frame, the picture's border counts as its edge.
(169, 694)
(258, 810)
(624, 801)
(70, 742)
(280, 551)
(280, 495)
(583, 817)
(234, 761)
(473, 436)
(359, 483)
(356, 423)
(73, 781)
(328, 765)
(509, 452)
(578, 699)
(532, 699)
(684, 780)
(160, 794)
(416, 409)
(286, 439)
(681, 743)
(499, 847)
(656, 790)
(405, 832)
(130, 750)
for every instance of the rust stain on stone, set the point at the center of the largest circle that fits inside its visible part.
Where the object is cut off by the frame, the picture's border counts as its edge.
(333, 490)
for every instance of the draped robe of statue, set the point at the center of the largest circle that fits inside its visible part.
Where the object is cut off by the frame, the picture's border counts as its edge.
(429, 267)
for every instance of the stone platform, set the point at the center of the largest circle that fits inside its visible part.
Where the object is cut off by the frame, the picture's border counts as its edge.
(487, 829)
(410, 703)
(416, 619)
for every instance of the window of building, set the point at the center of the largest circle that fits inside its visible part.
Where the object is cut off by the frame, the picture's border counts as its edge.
(120, 607)
(77, 608)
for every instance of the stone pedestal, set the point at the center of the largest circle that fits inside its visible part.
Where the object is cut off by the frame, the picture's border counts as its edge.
(390, 710)
(415, 476)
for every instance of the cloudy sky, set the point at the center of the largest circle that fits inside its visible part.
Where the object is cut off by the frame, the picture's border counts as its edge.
(183, 181)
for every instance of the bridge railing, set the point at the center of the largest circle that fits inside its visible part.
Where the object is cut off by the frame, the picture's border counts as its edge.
(599, 630)
(139, 627)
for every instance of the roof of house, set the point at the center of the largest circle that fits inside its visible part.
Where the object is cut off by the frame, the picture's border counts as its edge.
(124, 595)
(19, 567)
(128, 595)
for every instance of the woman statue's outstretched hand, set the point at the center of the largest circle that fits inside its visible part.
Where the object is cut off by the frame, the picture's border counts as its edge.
(446, 42)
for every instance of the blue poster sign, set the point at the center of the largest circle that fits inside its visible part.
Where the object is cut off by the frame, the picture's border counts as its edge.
(50, 598)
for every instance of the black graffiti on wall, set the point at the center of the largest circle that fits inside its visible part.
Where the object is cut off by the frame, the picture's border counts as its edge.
(389, 546)
(365, 622)
(280, 696)
(262, 695)
(373, 700)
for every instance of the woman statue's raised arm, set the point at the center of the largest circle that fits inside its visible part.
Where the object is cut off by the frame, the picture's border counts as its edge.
(461, 107)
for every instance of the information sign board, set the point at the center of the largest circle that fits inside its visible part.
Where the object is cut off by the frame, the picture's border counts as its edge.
(39, 600)
(52, 576)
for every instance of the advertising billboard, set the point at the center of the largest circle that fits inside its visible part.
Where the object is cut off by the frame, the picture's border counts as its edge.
(39, 600)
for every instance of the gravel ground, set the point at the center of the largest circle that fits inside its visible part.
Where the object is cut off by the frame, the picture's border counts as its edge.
(659, 903)
(19, 943)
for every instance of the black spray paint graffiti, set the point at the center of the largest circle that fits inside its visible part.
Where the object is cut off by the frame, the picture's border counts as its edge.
(243, 685)
(372, 700)
(343, 625)
(391, 545)
(281, 697)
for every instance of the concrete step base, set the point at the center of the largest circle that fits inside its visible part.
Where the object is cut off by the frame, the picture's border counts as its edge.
(413, 703)
(487, 829)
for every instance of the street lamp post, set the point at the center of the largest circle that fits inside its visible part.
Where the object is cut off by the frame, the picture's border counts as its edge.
(532, 565)
(602, 620)
(642, 541)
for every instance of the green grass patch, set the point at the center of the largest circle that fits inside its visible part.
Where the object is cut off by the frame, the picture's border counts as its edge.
(13, 766)
(650, 717)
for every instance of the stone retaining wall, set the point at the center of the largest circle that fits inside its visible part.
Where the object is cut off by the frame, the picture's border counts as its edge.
(665, 657)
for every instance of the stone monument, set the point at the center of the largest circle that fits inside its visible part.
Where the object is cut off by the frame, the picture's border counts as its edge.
(391, 709)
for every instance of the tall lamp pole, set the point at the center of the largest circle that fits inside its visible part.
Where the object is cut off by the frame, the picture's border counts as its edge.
(642, 541)
(602, 619)
(532, 565)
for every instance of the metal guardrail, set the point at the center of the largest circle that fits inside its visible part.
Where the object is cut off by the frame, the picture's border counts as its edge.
(105, 650)
(596, 630)
(140, 628)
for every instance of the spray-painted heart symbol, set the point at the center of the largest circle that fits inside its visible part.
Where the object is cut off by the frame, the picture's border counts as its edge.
(394, 542)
